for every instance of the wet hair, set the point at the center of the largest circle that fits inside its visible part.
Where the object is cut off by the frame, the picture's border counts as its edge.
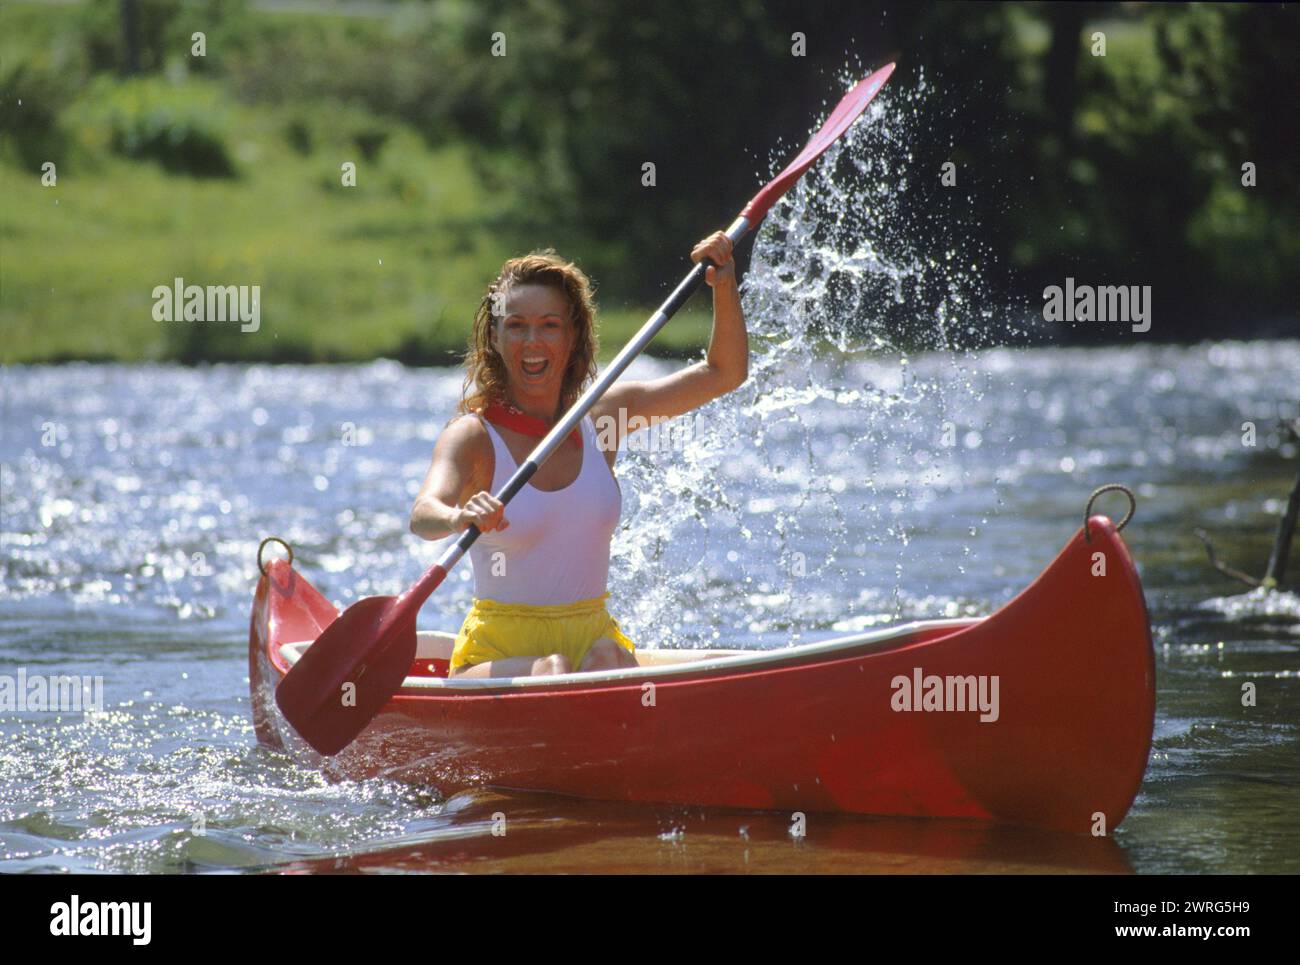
(486, 380)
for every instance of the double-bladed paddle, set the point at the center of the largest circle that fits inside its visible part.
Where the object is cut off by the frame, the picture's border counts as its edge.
(355, 667)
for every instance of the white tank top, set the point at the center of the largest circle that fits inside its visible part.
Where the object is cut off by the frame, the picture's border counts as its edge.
(556, 549)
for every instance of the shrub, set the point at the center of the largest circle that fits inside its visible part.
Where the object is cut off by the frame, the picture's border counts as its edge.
(33, 97)
(185, 127)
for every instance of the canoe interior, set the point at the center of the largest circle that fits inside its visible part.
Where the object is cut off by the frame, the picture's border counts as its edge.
(434, 647)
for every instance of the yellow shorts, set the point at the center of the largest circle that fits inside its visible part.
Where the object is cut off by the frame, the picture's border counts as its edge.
(495, 631)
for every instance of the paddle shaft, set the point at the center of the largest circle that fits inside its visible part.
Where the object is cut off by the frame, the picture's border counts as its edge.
(414, 598)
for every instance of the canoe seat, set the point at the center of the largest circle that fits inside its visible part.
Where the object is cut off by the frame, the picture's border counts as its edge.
(434, 645)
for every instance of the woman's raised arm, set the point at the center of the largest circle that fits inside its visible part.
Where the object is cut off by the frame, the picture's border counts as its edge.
(725, 367)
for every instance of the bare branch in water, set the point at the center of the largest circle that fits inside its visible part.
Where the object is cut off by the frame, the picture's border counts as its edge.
(1223, 568)
(1276, 571)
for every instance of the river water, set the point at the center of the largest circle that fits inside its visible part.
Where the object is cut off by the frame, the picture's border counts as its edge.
(821, 498)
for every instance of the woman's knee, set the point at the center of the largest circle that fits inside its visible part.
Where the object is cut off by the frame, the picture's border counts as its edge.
(606, 654)
(554, 664)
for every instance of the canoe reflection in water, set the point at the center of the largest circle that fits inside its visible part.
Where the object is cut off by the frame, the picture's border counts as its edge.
(526, 832)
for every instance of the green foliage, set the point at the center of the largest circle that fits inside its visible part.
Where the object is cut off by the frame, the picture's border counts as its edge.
(590, 96)
(1125, 168)
(42, 70)
(392, 266)
(157, 34)
(1240, 242)
(29, 113)
(1164, 123)
(185, 127)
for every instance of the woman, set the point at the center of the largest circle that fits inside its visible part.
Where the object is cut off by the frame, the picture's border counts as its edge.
(540, 571)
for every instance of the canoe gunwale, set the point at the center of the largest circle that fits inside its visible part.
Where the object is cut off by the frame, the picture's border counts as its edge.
(821, 651)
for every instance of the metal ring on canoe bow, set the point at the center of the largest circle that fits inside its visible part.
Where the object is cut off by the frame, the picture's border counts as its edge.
(1087, 510)
(261, 546)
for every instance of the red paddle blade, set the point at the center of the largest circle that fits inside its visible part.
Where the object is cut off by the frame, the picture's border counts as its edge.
(846, 112)
(349, 673)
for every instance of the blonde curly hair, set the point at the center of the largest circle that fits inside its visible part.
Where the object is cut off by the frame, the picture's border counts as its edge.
(485, 371)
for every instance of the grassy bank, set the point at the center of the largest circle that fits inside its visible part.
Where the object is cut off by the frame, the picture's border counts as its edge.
(345, 273)
(174, 175)
(392, 267)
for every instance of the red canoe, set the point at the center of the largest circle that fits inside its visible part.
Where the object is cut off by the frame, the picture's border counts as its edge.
(1039, 715)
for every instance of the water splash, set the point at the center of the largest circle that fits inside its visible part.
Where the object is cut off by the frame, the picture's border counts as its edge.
(837, 431)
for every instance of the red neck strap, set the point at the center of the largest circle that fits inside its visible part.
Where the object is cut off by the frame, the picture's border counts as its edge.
(510, 416)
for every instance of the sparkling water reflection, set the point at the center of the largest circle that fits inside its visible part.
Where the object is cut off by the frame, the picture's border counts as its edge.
(129, 554)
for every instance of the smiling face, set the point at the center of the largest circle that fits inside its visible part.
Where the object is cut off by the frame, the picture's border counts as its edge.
(536, 339)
